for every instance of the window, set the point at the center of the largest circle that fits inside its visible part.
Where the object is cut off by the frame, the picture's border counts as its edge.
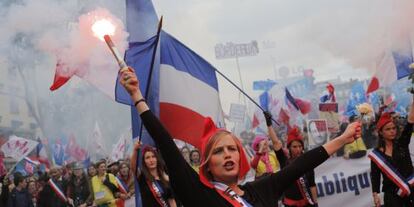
(14, 106)
(16, 124)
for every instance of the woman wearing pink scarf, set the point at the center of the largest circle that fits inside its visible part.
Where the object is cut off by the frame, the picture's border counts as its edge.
(265, 161)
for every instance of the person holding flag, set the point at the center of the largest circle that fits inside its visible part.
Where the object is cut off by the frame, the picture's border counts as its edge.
(266, 160)
(391, 160)
(152, 179)
(224, 162)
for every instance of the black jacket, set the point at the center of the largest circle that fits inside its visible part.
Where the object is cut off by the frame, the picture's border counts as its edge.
(190, 191)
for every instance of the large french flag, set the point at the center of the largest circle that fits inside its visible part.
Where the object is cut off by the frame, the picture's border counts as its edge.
(188, 91)
(185, 83)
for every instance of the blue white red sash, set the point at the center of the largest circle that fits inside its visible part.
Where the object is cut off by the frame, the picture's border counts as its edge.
(304, 190)
(57, 190)
(157, 193)
(392, 173)
(121, 186)
(231, 196)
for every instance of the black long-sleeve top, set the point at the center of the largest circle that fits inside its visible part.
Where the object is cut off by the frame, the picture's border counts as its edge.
(400, 159)
(147, 197)
(186, 184)
(293, 192)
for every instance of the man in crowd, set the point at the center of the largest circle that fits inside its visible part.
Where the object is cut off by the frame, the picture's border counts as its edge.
(19, 196)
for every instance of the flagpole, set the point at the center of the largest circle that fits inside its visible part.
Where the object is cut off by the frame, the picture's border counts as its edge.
(154, 52)
(244, 93)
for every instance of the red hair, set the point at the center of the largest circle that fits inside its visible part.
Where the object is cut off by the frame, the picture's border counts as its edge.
(210, 137)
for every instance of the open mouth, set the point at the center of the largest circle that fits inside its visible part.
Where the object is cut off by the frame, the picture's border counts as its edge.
(229, 165)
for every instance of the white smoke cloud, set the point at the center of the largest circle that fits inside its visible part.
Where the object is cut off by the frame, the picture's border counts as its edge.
(36, 34)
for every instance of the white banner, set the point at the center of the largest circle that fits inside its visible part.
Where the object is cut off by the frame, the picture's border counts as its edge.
(344, 183)
(17, 147)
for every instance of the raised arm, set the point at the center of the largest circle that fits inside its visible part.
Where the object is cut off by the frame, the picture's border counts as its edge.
(183, 178)
(405, 137)
(277, 144)
(134, 158)
(278, 182)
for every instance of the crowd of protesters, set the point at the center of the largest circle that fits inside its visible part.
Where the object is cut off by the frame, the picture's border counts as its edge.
(278, 160)
(71, 185)
(110, 184)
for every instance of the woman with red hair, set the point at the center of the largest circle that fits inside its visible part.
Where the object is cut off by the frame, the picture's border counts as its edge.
(302, 192)
(391, 160)
(224, 162)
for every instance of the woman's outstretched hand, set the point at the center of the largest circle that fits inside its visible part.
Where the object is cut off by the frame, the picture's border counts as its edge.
(352, 132)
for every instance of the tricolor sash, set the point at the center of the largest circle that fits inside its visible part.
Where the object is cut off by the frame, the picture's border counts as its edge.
(389, 170)
(228, 194)
(121, 185)
(57, 190)
(157, 193)
(304, 190)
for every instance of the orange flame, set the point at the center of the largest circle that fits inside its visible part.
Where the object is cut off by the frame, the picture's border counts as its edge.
(103, 27)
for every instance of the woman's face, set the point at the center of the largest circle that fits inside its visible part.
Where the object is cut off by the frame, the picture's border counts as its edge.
(389, 131)
(92, 171)
(195, 157)
(77, 172)
(150, 160)
(224, 160)
(265, 145)
(296, 149)
(185, 152)
(31, 187)
(102, 169)
(124, 170)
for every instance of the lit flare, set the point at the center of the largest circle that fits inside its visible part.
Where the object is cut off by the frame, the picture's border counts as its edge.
(103, 27)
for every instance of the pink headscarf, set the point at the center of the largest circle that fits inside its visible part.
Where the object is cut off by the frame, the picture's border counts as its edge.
(265, 156)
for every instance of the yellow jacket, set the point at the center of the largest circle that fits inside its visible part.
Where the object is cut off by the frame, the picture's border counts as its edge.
(261, 166)
(101, 193)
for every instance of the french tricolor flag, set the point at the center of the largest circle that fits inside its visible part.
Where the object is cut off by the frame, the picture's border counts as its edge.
(392, 66)
(188, 91)
(183, 87)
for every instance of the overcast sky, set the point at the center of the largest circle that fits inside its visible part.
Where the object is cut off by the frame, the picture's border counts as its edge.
(340, 38)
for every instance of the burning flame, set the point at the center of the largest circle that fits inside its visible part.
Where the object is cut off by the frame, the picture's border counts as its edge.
(103, 27)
